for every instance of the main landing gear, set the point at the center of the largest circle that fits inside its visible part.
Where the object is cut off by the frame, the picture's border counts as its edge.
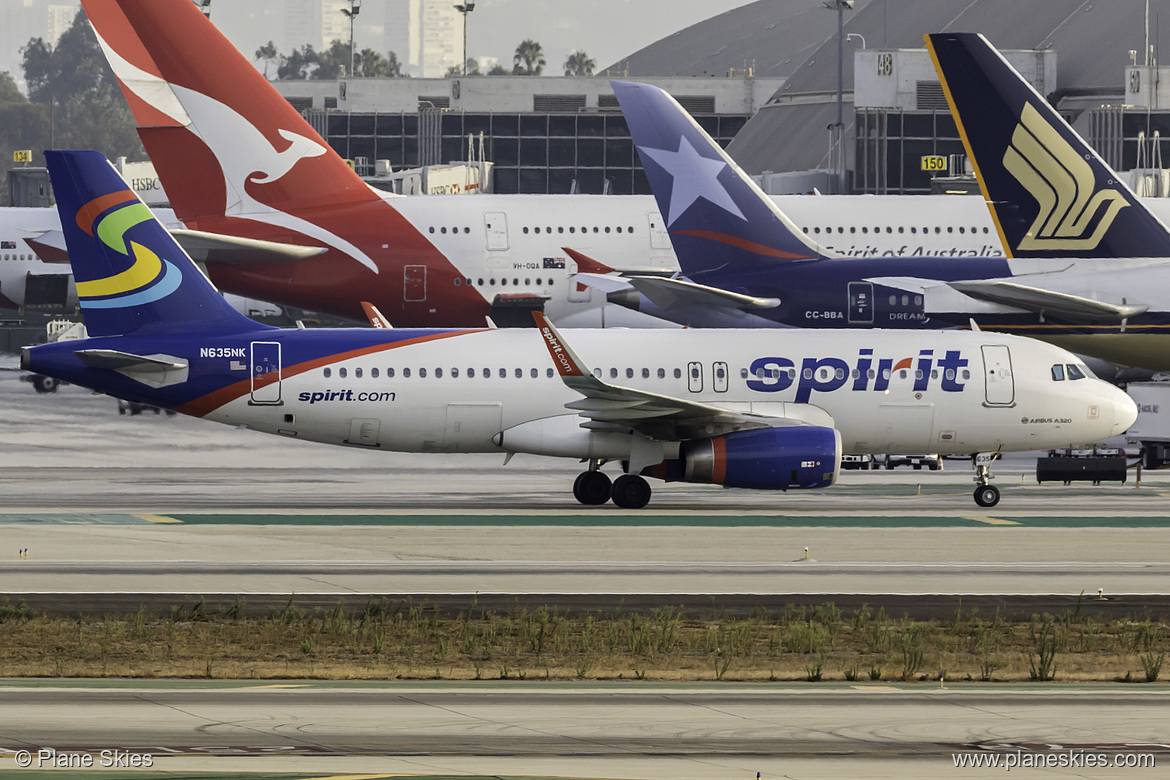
(986, 494)
(592, 487)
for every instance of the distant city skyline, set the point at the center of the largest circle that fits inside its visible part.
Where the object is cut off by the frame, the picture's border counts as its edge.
(607, 30)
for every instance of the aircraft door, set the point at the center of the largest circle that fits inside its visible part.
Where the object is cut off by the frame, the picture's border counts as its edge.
(495, 224)
(695, 377)
(265, 373)
(414, 283)
(659, 237)
(719, 375)
(997, 376)
(861, 303)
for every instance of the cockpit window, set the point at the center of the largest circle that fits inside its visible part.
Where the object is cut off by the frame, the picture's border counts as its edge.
(1058, 373)
(1074, 372)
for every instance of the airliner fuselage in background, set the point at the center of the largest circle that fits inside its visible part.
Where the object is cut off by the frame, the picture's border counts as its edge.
(862, 226)
(511, 245)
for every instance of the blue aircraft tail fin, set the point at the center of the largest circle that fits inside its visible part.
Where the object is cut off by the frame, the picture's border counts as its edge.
(716, 216)
(1050, 194)
(131, 275)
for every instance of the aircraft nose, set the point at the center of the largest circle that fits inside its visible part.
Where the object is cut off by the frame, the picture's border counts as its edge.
(1124, 410)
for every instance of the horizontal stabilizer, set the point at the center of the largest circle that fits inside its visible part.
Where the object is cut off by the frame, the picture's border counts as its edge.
(234, 250)
(153, 370)
(1042, 301)
(670, 294)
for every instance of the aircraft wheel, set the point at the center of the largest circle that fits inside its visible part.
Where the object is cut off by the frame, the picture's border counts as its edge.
(631, 492)
(592, 488)
(987, 495)
(45, 384)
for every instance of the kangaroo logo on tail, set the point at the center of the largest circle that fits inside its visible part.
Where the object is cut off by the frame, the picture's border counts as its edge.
(1062, 183)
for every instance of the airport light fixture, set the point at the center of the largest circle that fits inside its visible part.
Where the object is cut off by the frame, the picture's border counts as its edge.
(465, 8)
(840, 6)
(355, 7)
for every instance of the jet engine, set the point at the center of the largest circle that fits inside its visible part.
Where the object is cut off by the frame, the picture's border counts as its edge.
(803, 456)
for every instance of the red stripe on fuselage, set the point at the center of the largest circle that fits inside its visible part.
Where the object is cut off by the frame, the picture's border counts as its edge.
(742, 243)
(203, 405)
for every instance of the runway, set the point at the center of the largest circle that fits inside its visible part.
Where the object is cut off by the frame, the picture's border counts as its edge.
(694, 731)
(116, 510)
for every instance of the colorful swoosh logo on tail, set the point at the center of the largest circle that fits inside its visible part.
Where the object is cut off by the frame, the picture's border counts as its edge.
(149, 277)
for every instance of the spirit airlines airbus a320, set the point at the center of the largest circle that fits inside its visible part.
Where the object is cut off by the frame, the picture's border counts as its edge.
(753, 409)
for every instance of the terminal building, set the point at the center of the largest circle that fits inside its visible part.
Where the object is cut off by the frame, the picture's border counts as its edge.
(542, 135)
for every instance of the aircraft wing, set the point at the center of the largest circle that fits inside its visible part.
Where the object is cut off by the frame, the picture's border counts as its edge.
(608, 407)
(1021, 296)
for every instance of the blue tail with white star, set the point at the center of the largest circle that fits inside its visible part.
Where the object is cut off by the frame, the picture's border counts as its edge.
(718, 219)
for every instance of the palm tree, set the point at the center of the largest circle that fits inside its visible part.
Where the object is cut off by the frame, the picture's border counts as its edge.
(529, 59)
(269, 54)
(579, 64)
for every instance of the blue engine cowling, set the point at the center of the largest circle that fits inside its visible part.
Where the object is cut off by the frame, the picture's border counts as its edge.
(803, 456)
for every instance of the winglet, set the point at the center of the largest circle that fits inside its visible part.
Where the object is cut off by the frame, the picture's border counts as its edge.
(566, 361)
(587, 264)
(376, 318)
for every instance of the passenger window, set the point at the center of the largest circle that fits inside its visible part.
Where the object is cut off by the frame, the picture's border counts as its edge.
(549, 373)
(662, 373)
(743, 373)
(950, 374)
(487, 373)
(808, 373)
(645, 373)
(422, 373)
(374, 373)
(357, 372)
(678, 373)
(613, 373)
(328, 372)
(1074, 372)
(454, 373)
(1058, 373)
(503, 373)
(597, 373)
(966, 374)
(341, 373)
(534, 373)
(438, 373)
(406, 373)
(389, 373)
(519, 373)
(629, 373)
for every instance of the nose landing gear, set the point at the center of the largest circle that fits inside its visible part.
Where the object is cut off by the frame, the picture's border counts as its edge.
(986, 494)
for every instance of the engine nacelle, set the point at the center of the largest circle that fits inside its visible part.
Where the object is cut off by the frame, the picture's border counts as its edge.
(803, 456)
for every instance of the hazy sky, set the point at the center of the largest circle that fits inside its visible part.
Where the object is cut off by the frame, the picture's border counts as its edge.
(606, 29)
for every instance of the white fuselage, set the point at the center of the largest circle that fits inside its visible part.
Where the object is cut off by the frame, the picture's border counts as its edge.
(514, 260)
(976, 391)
